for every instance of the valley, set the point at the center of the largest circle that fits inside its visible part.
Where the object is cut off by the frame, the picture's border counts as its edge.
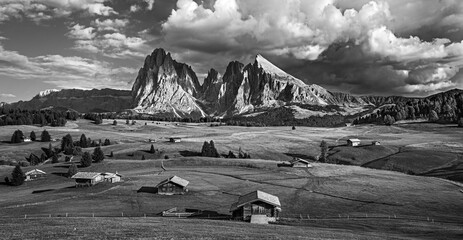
(325, 201)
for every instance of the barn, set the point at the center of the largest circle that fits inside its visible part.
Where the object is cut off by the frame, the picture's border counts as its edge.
(353, 142)
(173, 185)
(34, 174)
(256, 207)
(111, 177)
(87, 179)
(175, 139)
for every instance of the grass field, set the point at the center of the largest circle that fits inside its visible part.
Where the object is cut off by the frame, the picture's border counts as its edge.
(420, 207)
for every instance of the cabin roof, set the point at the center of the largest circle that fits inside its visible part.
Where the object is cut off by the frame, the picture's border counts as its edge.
(108, 174)
(35, 171)
(256, 196)
(174, 179)
(295, 160)
(85, 175)
(353, 139)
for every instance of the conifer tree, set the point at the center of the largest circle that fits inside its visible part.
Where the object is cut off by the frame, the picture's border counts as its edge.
(83, 141)
(323, 151)
(17, 137)
(45, 136)
(33, 136)
(72, 170)
(86, 160)
(152, 149)
(17, 176)
(54, 159)
(98, 155)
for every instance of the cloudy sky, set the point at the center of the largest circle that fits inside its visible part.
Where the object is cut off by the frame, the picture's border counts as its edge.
(394, 47)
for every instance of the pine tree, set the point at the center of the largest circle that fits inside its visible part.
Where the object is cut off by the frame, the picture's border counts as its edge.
(98, 155)
(323, 151)
(86, 160)
(17, 137)
(231, 155)
(83, 141)
(114, 122)
(152, 149)
(293, 128)
(72, 170)
(17, 176)
(460, 122)
(142, 157)
(33, 136)
(106, 142)
(45, 136)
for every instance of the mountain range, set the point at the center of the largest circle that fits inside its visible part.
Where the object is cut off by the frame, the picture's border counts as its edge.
(164, 86)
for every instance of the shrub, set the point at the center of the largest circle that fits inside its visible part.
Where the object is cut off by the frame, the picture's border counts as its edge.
(111, 154)
(209, 150)
(86, 160)
(142, 157)
(231, 155)
(152, 150)
(114, 122)
(54, 159)
(106, 142)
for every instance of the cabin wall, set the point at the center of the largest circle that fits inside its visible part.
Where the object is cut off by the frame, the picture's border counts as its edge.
(170, 188)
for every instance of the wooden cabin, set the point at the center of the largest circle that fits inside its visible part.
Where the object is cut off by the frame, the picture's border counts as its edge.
(111, 177)
(173, 186)
(377, 143)
(87, 179)
(175, 139)
(34, 174)
(300, 163)
(353, 142)
(256, 207)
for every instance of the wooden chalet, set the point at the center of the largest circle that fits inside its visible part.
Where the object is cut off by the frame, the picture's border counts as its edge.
(87, 179)
(172, 186)
(34, 174)
(256, 207)
(377, 143)
(111, 177)
(353, 142)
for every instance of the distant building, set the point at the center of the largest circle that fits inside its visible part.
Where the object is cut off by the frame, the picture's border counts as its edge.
(353, 142)
(256, 207)
(173, 185)
(152, 140)
(299, 162)
(175, 139)
(27, 140)
(111, 177)
(34, 174)
(376, 143)
(87, 179)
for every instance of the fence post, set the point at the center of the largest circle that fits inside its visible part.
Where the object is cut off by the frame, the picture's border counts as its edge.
(339, 215)
(25, 216)
(49, 215)
(145, 215)
(308, 217)
(66, 214)
(122, 214)
(395, 216)
(300, 216)
(93, 215)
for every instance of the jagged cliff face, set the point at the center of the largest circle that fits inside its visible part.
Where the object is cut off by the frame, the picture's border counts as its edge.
(166, 86)
(258, 85)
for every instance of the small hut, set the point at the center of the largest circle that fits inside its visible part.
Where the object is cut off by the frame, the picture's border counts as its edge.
(111, 177)
(175, 139)
(173, 186)
(34, 174)
(87, 179)
(377, 143)
(256, 207)
(300, 163)
(353, 142)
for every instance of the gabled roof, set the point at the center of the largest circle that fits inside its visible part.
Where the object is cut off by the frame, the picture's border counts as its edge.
(86, 175)
(176, 180)
(108, 174)
(256, 196)
(35, 171)
(295, 160)
(353, 139)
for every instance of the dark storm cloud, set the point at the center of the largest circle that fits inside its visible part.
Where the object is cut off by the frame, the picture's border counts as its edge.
(364, 47)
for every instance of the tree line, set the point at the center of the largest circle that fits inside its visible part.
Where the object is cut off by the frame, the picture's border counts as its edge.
(52, 118)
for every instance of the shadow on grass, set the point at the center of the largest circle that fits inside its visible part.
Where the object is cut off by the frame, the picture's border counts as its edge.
(206, 214)
(189, 153)
(303, 156)
(60, 174)
(42, 191)
(145, 189)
